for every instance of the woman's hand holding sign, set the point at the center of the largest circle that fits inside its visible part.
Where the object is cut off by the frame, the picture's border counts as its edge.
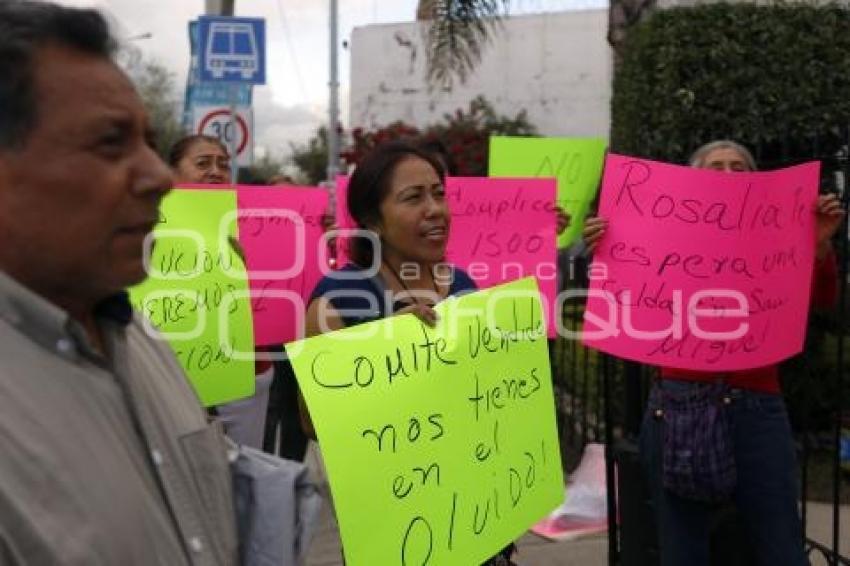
(829, 217)
(594, 229)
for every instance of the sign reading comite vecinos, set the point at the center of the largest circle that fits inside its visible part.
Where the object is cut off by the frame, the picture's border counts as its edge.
(440, 443)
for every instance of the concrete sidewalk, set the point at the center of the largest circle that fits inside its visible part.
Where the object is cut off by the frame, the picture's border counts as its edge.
(588, 551)
(533, 550)
(819, 528)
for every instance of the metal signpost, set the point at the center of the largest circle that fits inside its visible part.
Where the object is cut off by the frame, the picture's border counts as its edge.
(232, 52)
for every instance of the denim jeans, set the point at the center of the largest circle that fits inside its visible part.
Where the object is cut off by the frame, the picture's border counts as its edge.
(766, 494)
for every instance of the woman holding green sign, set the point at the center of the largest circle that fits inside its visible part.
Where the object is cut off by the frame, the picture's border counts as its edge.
(203, 160)
(710, 439)
(396, 197)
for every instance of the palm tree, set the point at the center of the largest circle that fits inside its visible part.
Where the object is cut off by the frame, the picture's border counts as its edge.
(460, 29)
(622, 15)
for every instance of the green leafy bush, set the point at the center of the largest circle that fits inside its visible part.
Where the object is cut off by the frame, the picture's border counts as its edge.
(776, 78)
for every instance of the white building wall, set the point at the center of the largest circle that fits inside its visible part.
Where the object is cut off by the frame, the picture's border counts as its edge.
(558, 67)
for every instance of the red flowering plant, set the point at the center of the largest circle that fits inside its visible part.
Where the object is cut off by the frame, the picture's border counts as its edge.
(363, 141)
(465, 134)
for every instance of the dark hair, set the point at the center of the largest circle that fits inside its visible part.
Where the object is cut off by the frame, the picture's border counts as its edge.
(25, 27)
(369, 186)
(438, 149)
(182, 146)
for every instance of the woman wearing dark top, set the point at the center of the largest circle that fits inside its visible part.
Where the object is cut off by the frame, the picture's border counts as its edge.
(200, 159)
(397, 194)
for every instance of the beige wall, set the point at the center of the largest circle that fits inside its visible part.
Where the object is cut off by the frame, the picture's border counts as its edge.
(556, 66)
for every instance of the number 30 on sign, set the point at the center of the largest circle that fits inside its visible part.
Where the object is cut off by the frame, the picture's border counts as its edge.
(215, 121)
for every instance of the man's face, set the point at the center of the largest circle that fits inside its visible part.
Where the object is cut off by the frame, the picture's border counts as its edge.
(83, 191)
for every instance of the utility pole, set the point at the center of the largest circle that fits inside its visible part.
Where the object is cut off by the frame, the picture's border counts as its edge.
(333, 102)
(225, 8)
(219, 7)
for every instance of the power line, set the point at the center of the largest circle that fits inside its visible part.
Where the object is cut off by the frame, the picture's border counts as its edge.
(288, 38)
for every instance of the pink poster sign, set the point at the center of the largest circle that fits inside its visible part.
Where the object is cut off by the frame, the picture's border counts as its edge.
(503, 229)
(700, 269)
(280, 230)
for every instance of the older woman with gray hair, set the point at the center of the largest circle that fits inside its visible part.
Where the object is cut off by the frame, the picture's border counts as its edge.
(723, 155)
(709, 438)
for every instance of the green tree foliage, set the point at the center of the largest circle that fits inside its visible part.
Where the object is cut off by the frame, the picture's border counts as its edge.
(156, 87)
(773, 77)
(263, 170)
(311, 158)
(457, 32)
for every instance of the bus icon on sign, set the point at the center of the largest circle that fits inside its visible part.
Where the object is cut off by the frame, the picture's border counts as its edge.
(232, 48)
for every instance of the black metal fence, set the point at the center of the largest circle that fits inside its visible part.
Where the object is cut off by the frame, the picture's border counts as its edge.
(601, 399)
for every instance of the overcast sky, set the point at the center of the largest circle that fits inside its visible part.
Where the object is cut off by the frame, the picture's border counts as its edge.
(295, 100)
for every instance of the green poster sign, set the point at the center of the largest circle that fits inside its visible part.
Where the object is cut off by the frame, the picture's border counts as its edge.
(196, 294)
(575, 162)
(440, 443)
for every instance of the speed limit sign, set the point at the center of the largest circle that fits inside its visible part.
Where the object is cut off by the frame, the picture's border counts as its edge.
(215, 121)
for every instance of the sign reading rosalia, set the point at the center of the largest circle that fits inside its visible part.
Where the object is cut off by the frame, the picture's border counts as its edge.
(701, 269)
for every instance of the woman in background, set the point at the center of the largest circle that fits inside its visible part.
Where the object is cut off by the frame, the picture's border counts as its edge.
(764, 477)
(200, 159)
(397, 193)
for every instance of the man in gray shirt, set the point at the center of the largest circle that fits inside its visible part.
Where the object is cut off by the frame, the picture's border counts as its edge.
(106, 457)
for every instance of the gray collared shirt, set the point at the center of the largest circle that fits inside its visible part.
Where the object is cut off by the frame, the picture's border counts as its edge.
(104, 460)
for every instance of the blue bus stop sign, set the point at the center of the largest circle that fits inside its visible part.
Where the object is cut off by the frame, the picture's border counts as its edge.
(232, 50)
